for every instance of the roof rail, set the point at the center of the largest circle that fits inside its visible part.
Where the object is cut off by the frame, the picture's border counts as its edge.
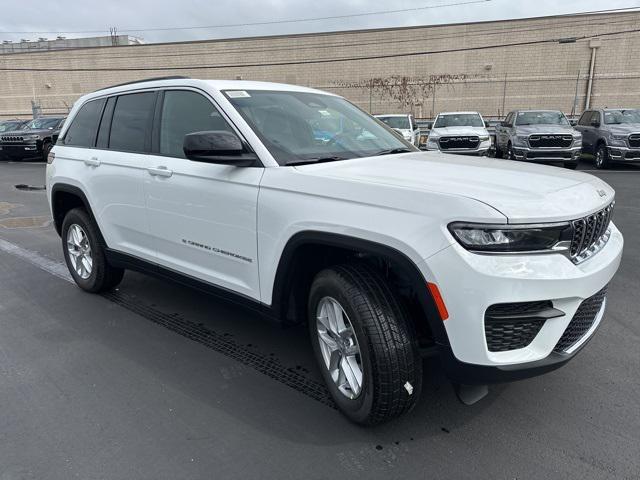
(171, 77)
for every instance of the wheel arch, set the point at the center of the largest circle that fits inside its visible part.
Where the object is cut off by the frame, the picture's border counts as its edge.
(302, 257)
(65, 197)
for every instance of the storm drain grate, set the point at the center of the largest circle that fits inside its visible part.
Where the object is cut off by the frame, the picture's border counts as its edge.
(266, 365)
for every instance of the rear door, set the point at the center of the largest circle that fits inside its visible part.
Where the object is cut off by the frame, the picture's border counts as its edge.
(202, 216)
(115, 171)
(585, 126)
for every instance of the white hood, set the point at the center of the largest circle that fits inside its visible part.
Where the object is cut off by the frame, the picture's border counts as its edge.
(455, 131)
(522, 192)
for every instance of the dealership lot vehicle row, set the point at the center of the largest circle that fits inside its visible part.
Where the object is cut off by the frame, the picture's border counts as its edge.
(575, 424)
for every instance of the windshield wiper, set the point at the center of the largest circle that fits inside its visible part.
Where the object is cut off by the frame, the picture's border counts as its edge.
(393, 151)
(308, 161)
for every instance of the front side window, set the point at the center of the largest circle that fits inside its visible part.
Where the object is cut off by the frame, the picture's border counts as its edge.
(585, 119)
(541, 118)
(83, 129)
(459, 120)
(131, 123)
(301, 127)
(399, 123)
(186, 112)
(619, 117)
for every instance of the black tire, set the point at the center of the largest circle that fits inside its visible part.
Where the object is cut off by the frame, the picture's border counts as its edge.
(103, 276)
(508, 153)
(391, 364)
(601, 158)
(571, 165)
(497, 153)
(46, 148)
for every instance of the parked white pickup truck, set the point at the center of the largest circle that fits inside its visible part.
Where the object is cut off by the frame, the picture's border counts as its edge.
(459, 132)
(404, 124)
(388, 254)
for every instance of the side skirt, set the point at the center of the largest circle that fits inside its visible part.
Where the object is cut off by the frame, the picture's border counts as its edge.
(130, 262)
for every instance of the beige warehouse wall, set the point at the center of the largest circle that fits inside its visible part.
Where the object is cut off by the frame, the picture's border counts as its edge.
(519, 76)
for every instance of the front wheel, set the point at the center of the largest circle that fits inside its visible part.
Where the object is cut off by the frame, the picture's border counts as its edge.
(364, 344)
(46, 148)
(602, 157)
(508, 154)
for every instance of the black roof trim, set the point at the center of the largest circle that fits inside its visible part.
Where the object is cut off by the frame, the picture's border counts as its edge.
(170, 77)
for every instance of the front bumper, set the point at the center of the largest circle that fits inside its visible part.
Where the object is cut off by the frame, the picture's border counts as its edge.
(624, 154)
(482, 150)
(547, 154)
(21, 150)
(471, 283)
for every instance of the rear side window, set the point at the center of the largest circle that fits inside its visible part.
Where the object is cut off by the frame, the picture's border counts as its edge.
(84, 127)
(186, 112)
(131, 123)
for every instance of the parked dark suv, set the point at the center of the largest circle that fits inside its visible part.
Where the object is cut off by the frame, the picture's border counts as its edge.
(611, 135)
(33, 140)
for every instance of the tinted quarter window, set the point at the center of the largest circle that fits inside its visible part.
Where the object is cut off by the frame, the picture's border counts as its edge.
(83, 128)
(186, 112)
(131, 124)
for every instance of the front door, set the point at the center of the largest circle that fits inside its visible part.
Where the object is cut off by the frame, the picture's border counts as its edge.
(202, 216)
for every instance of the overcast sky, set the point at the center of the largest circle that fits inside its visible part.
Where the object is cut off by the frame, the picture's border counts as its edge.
(67, 17)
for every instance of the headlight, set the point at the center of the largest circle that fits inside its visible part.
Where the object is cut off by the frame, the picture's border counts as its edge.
(522, 139)
(618, 139)
(512, 238)
(485, 138)
(32, 137)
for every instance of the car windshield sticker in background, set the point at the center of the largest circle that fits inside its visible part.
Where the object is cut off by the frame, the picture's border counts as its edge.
(238, 94)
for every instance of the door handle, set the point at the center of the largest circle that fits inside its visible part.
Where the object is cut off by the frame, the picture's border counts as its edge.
(92, 162)
(160, 172)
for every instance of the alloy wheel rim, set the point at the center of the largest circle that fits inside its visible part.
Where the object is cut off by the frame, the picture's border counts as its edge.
(79, 250)
(339, 347)
(599, 158)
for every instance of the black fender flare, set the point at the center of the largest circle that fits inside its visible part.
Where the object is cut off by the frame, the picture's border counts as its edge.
(70, 189)
(282, 281)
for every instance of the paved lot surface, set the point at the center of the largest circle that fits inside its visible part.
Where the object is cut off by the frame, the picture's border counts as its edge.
(159, 382)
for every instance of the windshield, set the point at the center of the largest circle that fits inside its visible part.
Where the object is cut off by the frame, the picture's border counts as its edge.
(301, 127)
(541, 118)
(459, 120)
(8, 126)
(401, 123)
(41, 124)
(617, 117)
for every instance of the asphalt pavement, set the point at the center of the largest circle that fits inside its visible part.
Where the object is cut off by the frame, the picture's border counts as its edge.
(156, 381)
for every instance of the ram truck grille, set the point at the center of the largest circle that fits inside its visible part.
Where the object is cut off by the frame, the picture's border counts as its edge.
(634, 140)
(459, 143)
(550, 141)
(590, 234)
(581, 322)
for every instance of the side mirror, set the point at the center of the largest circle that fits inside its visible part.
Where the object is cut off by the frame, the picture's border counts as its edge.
(217, 146)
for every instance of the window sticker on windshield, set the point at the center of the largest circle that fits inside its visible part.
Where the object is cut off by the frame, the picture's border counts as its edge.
(324, 113)
(238, 94)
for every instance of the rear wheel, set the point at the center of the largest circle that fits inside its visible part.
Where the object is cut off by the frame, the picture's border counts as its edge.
(85, 255)
(602, 156)
(364, 344)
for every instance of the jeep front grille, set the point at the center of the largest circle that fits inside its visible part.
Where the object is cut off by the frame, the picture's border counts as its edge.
(550, 141)
(12, 138)
(581, 322)
(590, 234)
(459, 143)
(634, 140)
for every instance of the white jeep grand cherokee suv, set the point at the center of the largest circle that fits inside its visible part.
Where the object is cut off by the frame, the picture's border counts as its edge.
(389, 254)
